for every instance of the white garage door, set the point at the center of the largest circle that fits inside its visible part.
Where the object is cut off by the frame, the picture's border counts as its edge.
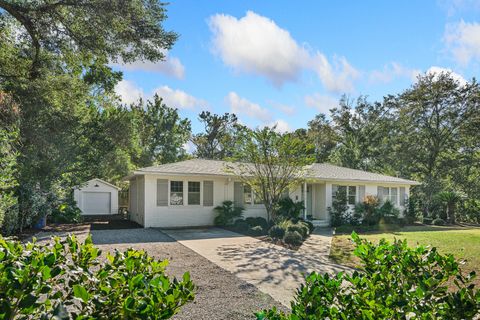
(96, 202)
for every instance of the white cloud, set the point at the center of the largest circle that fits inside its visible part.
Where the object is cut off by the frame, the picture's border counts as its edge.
(281, 126)
(239, 105)
(336, 78)
(179, 99)
(128, 92)
(257, 45)
(171, 66)
(189, 147)
(438, 70)
(392, 71)
(320, 102)
(463, 41)
(284, 108)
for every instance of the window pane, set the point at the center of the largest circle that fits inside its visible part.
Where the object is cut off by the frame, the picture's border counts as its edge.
(194, 198)
(257, 200)
(394, 195)
(193, 186)
(176, 193)
(386, 193)
(247, 194)
(351, 199)
(176, 186)
(193, 192)
(352, 190)
(208, 193)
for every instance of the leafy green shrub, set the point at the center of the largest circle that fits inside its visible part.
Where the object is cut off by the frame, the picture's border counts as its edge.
(469, 211)
(66, 213)
(339, 209)
(427, 220)
(288, 209)
(276, 232)
(439, 222)
(300, 228)
(310, 226)
(411, 211)
(293, 238)
(256, 231)
(241, 226)
(394, 282)
(251, 221)
(389, 220)
(262, 222)
(66, 279)
(227, 212)
(368, 210)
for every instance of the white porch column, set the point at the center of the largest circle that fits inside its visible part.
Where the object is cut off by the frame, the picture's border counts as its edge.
(305, 199)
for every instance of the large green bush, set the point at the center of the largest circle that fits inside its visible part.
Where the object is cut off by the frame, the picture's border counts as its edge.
(289, 209)
(68, 280)
(66, 212)
(339, 210)
(227, 213)
(276, 232)
(394, 282)
(293, 238)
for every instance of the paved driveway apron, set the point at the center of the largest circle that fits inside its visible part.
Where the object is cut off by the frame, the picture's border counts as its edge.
(273, 269)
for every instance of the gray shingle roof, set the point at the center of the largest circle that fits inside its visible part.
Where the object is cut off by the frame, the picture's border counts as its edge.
(317, 171)
(330, 172)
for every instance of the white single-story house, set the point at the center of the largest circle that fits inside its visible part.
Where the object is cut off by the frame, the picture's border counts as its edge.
(97, 197)
(183, 194)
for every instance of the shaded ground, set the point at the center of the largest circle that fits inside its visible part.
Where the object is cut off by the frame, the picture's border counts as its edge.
(461, 241)
(109, 222)
(273, 269)
(220, 294)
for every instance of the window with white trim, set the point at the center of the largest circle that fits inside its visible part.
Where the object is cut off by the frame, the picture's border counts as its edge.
(350, 191)
(194, 192)
(247, 194)
(388, 194)
(256, 199)
(176, 193)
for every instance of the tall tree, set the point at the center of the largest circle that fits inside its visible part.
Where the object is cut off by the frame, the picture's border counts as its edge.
(432, 115)
(363, 132)
(44, 36)
(218, 141)
(162, 133)
(271, 163)
(8, 154)
(323, 136)
(55, 61)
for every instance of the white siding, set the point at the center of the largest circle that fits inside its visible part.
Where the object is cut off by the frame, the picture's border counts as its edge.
(172, 216)
(185, 215)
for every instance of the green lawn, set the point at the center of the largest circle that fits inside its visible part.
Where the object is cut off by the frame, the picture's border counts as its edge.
(462, 242)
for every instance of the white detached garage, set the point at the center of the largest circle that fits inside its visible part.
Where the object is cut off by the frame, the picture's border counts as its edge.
(97, 197)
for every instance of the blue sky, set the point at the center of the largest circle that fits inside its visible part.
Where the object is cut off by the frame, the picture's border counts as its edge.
(285, 61)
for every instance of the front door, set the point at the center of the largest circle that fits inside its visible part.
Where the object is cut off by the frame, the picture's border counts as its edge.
(309, 202)
(309, 199)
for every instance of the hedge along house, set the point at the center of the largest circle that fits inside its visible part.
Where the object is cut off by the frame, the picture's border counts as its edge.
(183, 194)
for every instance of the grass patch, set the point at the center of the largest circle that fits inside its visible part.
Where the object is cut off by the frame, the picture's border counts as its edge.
(461, 241)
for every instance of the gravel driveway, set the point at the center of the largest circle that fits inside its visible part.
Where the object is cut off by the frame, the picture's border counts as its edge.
(220, 294)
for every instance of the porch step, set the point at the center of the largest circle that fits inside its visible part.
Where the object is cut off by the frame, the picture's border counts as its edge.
(320, 223)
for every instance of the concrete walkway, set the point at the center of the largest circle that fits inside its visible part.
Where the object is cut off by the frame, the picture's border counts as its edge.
(273, 269)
